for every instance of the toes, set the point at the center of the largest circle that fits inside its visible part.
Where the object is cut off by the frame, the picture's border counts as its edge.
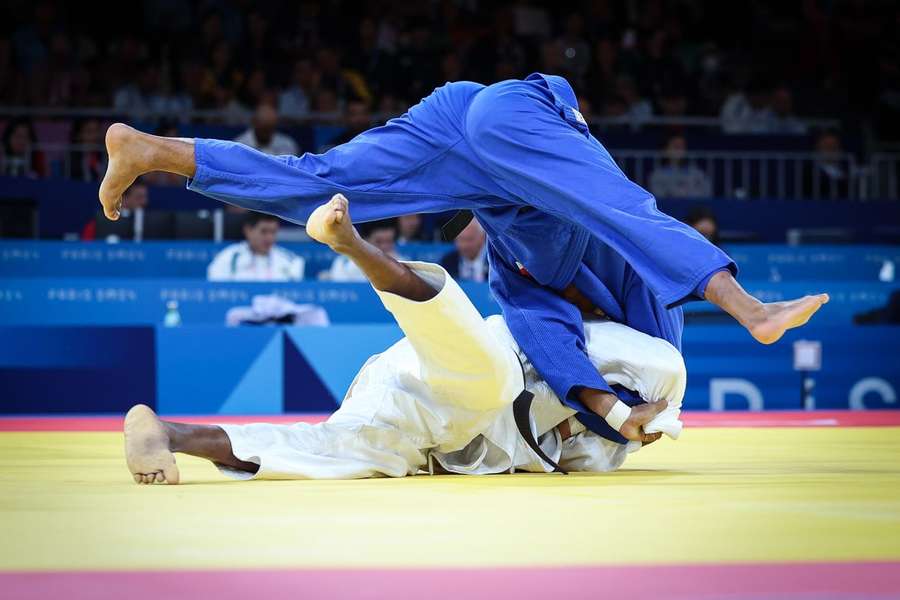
(649, 438)
(170, 473)
(156, 477)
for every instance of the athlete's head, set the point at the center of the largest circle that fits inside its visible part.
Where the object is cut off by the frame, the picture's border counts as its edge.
(260, 231)
(264, 123)
(381, 234)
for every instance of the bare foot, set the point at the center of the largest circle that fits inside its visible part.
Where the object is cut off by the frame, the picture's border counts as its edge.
(331, 224)
(123, 167)
(147, 447)
(778, 317)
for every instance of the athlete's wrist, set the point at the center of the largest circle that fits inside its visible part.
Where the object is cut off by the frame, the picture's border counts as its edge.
(597, 401)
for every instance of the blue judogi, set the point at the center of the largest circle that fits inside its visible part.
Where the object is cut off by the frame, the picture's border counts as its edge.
(553, 203)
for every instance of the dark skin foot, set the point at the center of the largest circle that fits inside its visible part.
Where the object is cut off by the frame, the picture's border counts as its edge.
(151, 444)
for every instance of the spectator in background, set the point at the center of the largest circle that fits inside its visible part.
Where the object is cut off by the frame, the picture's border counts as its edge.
(673, 101)
(218, 73)
(381, 234)
(294, 102)
(357, 118)
(409, 229)
(828, 176)
(614, 106)
(326, 101)
(257, 258)
(468, 262)
(142, 97)
(263, 135)
(137, 196)
(676, 178)
(87, 162)
(703, 219)
(782, 119)
(346, 83)
(20, 159)
(638, 109)
(749, 112)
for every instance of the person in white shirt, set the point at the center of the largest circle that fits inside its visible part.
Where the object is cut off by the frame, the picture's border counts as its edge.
(293, 102)
(468, 262)
(678, 178)
(382, 235)
(257, 258)
(262, 134)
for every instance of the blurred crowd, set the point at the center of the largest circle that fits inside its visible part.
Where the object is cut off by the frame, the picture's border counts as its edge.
(264, 69)
(757, 64)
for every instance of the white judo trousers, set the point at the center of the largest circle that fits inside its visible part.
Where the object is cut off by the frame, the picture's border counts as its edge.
(444, 394)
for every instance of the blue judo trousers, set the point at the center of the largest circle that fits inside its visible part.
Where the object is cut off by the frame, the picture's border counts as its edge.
(556, 208)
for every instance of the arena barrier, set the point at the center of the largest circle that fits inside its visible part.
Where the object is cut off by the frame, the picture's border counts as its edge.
(267, 370)
(175, 259)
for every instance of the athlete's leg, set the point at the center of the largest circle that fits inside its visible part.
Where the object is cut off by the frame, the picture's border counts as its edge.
(331, 225)
(408, 165)
(540, 151)
(462, 363)
(150, 444)
(766, 321)
(461, 360)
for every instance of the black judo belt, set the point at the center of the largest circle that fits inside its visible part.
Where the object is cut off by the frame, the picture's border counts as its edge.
(522, 416)
(456, 224)
(522, 403)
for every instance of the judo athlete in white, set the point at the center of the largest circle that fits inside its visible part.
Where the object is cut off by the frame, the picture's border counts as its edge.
(439, 400)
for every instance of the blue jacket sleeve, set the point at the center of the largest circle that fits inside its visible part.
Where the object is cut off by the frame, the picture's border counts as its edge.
(549, 331)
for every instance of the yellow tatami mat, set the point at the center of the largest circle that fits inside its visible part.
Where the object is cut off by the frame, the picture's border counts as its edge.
(714, 496)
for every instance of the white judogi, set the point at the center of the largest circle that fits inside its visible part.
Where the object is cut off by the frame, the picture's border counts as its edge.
(238, 262)
(444, 393)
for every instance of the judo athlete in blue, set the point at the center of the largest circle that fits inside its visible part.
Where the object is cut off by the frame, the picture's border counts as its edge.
(568, 231)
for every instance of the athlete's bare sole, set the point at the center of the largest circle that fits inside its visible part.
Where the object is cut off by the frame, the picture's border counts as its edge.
(122, 169)
(781, 316)
(147, 447)
(133, 153)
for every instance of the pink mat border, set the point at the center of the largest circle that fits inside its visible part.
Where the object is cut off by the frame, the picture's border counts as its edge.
(844, 418)
(745, 581)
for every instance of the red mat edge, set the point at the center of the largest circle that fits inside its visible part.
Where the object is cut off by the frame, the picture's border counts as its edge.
(844, 418)
(636, 582)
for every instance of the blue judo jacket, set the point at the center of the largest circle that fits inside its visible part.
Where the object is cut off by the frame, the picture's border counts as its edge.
(556, 208)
